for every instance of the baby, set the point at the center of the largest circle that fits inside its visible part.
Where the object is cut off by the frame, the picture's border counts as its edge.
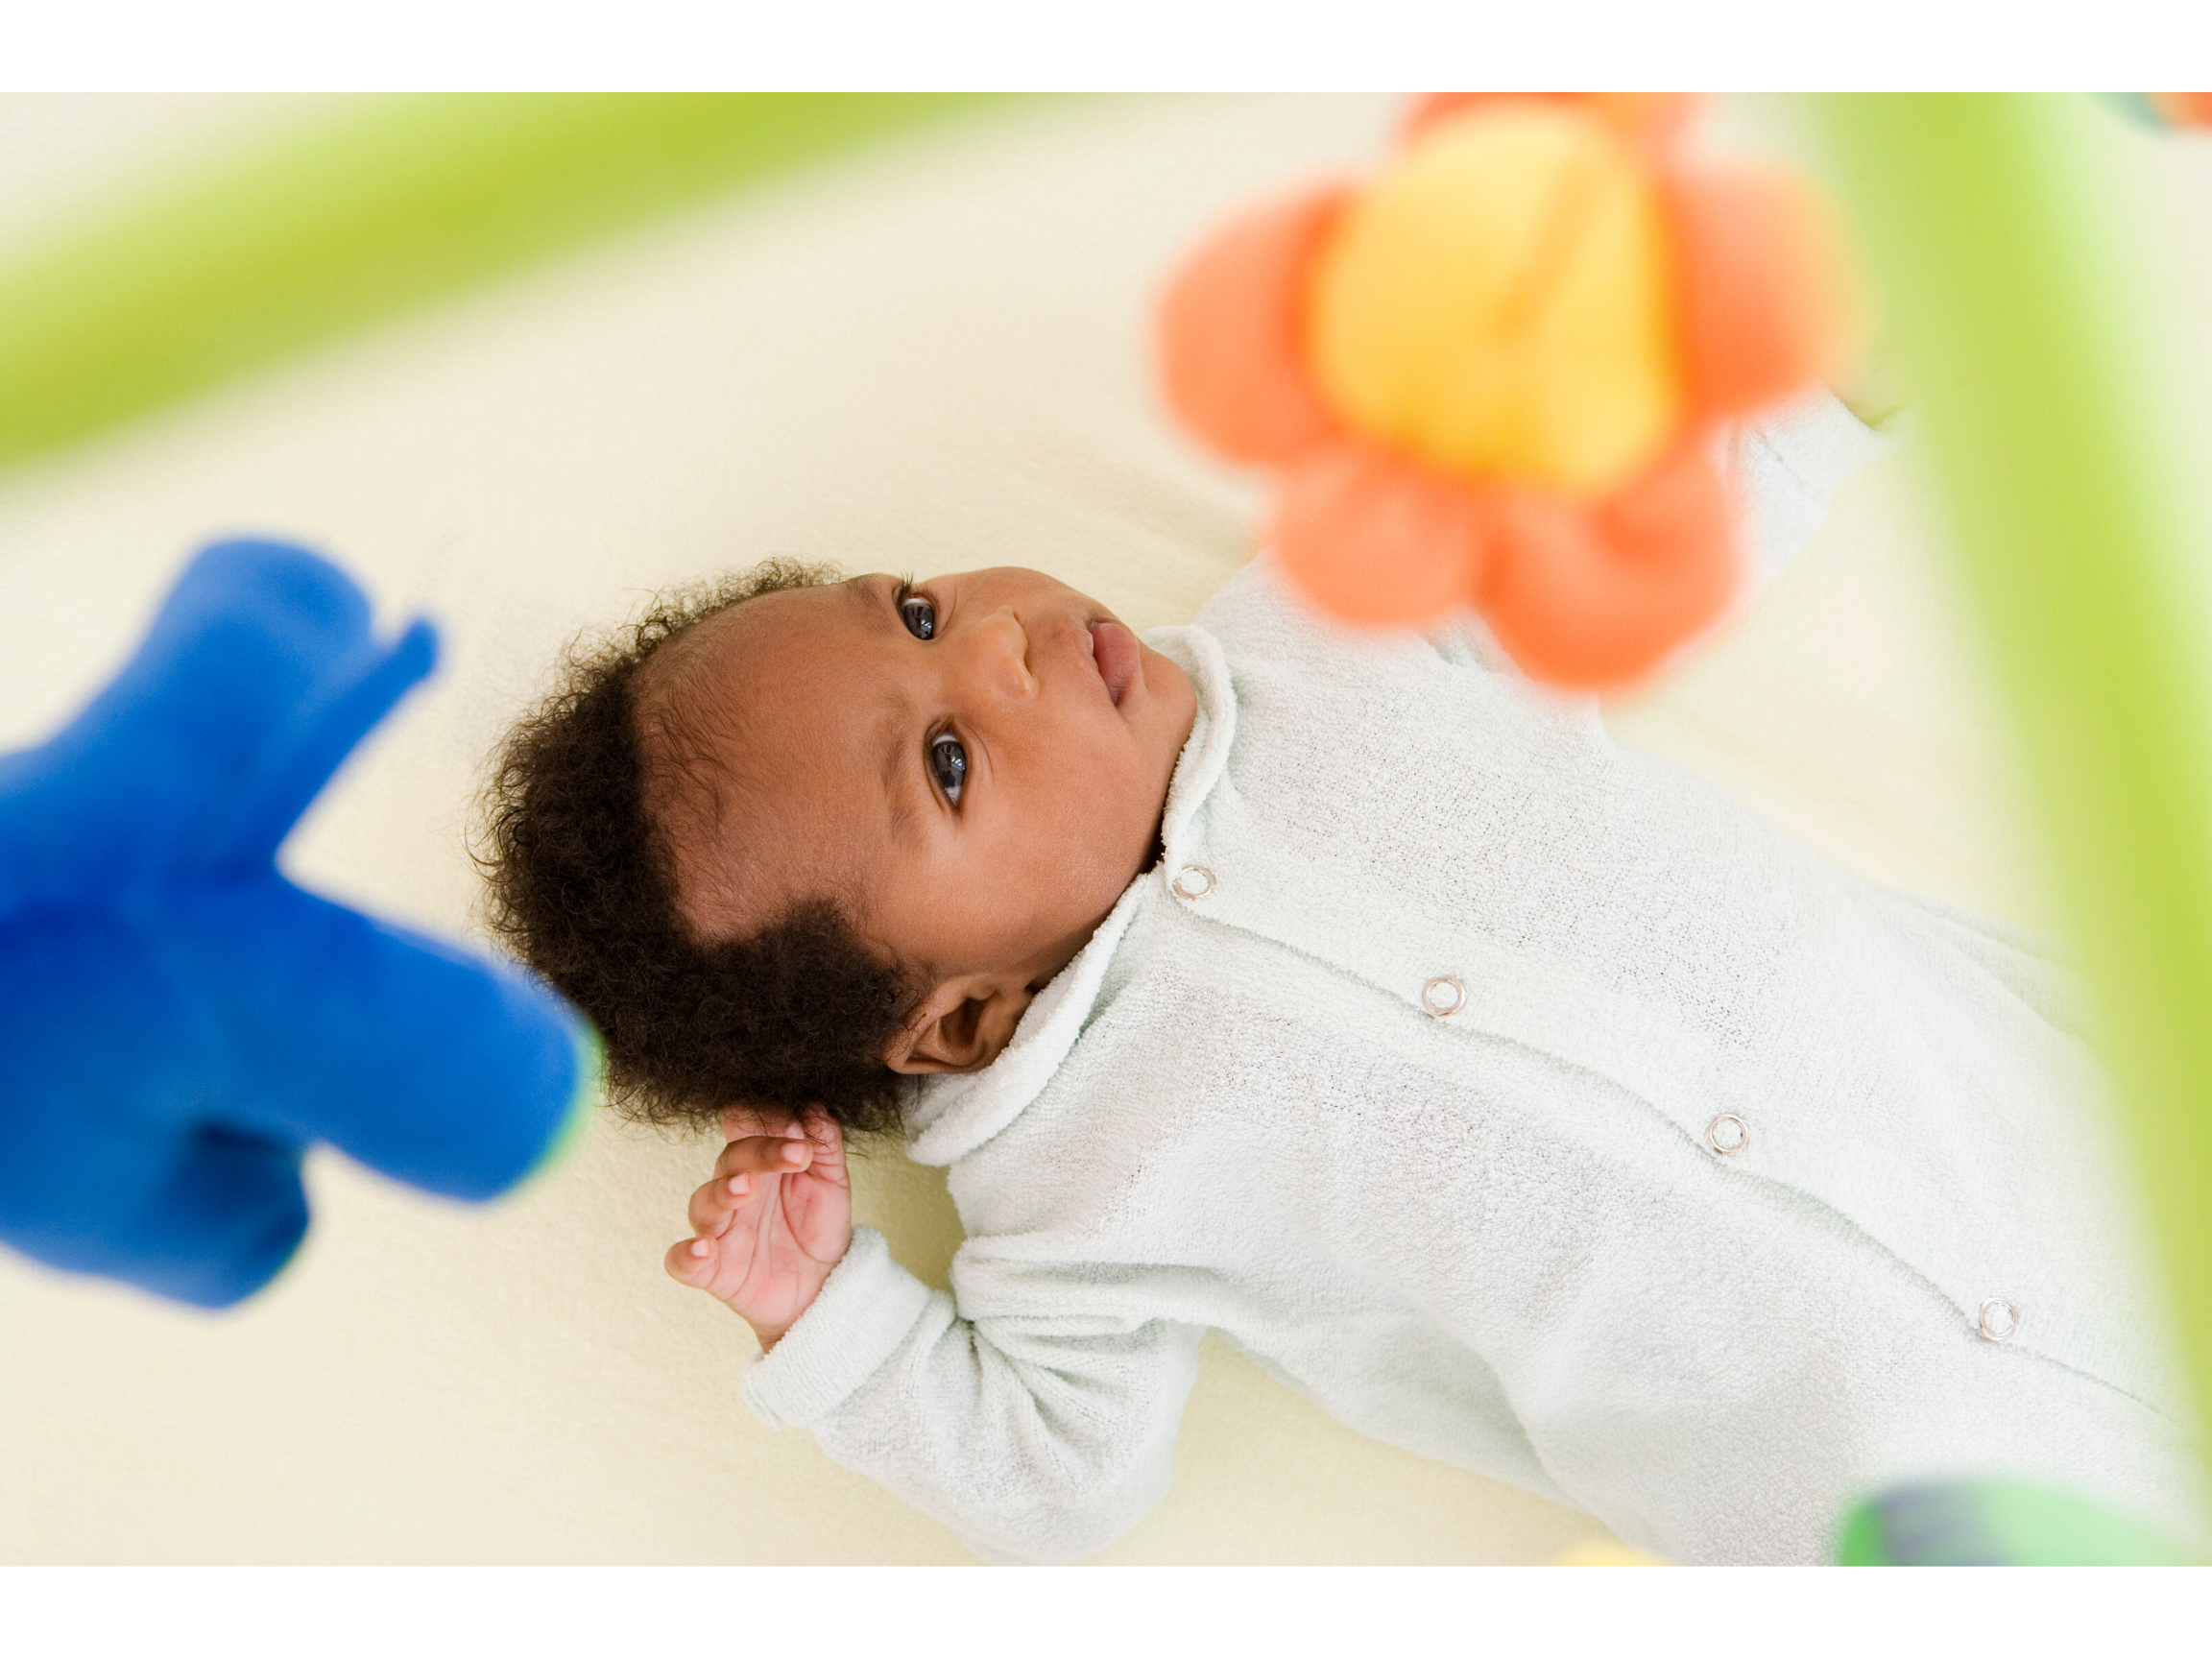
(1521, 1100)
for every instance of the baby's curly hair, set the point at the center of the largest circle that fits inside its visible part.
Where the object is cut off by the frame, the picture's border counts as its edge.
(582, 888)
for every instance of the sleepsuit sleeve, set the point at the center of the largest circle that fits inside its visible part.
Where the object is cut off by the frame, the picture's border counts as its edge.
(1036, 1436)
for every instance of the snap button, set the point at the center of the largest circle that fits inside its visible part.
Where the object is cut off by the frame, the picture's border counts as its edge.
(2000, 1320)
(1443, 996)
(1727, 1134)
(1193, 882)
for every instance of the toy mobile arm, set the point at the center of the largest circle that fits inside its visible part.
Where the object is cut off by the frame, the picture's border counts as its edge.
(181, 1022)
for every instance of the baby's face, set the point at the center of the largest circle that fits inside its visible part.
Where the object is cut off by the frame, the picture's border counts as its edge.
(974, 766)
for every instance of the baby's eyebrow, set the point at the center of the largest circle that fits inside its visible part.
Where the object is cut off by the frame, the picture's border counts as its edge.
(867, 593)
(896, 726)
(900, 778)
(894, 742)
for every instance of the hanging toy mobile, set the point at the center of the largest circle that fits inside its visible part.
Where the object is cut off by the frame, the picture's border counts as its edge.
(1495, 375)
(2169, 109)
(183, 1024)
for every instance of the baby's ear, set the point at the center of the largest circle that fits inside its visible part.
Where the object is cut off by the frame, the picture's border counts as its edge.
(961, 1026)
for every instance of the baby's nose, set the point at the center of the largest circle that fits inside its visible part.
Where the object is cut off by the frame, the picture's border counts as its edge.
(999, 654)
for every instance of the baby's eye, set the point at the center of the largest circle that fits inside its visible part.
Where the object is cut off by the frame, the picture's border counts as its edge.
(919, 615)
(950, 762)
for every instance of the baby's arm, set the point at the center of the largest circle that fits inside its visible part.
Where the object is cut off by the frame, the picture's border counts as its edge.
(1041, 1431)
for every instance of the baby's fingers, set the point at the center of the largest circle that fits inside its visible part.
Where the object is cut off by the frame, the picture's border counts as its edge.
(738, 1122)
(713, 1204)
(764, 1155)
(690, 1262)
(740, 1173)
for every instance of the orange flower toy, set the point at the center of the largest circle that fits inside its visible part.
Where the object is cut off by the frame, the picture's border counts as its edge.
(1491, 376)
(2181, 109)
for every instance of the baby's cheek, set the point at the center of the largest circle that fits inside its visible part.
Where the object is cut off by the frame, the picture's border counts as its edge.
(1093, 840)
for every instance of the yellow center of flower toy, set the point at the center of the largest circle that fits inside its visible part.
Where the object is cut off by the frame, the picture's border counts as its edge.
(1502, 302)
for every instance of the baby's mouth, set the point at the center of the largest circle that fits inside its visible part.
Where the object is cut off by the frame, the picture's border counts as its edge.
(1114, 654)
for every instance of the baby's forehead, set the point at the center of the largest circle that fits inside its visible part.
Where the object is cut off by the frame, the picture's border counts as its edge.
(720, 646)
(756, 735)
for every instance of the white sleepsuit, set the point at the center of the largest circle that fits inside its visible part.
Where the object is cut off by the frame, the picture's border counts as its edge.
(1524, 1102)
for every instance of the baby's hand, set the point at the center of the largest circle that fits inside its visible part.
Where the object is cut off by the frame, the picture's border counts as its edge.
(774, 1219)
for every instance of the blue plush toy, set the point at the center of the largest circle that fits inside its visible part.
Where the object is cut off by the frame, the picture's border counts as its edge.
(180, 1022)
